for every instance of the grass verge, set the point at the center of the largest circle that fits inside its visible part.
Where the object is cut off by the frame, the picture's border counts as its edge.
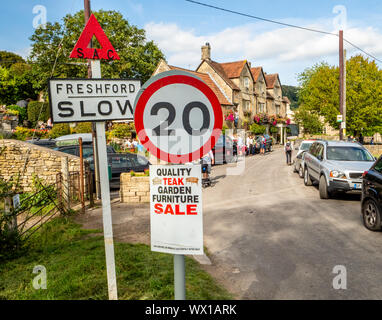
(75, 264)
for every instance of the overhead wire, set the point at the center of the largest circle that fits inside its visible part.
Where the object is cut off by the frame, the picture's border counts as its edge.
(281, 23)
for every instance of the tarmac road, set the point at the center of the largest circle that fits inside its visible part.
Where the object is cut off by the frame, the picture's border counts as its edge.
(271, 237)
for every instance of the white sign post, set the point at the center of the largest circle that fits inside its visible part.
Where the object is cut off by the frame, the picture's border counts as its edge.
(178, 119)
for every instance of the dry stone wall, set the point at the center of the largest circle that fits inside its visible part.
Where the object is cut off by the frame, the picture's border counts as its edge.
(134, 189)
(42, 162)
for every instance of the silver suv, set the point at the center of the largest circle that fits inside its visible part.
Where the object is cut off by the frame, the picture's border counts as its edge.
(337, 166)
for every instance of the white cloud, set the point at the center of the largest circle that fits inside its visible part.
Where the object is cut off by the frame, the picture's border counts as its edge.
(283, 45)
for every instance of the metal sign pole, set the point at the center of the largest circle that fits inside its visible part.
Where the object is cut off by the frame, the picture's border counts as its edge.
(105, 196)
(179, 277)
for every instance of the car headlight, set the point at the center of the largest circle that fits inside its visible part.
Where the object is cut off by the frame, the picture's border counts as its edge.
(337, 174)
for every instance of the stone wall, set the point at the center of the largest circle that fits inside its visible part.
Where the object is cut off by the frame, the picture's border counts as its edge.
(134, 189)
(42, 162)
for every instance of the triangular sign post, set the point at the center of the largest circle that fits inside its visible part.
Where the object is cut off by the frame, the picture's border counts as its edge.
(81, 50)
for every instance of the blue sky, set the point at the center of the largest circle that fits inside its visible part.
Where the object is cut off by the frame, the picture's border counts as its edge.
(181, 28)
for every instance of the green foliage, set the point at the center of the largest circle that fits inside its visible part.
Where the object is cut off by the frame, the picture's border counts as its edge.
(7, 59)
(38, 111)
(257, 129)
(16, 84)
(138, 57)
(122, 130)
(224, 128)
(83, 127)
(319, 93)
(22, 133)
(59, 129)
(22, 112)
(292, 93)
(308, 119)
(273, 129)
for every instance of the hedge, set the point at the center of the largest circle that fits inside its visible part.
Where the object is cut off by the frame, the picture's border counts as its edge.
(34, 111)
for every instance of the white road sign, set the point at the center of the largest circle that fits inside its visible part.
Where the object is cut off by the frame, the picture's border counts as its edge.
(176, 217)
(178, 117)
(339, 118)
(77, 100)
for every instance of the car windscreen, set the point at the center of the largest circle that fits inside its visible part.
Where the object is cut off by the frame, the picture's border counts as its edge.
(305, 146)
(348, 154)
(123, 161)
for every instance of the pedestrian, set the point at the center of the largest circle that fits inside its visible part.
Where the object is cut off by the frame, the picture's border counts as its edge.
(206, 161)
(251, 146)
(263, 142)
(288, 152)
(248, 145)
(360, 139)
(372, 141)
(236, 118)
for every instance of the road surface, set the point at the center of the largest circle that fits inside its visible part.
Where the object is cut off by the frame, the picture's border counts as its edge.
(271, 237)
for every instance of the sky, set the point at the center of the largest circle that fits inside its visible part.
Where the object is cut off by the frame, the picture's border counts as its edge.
(180, 28)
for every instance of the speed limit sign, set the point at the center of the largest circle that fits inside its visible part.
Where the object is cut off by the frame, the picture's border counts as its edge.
(177, 117)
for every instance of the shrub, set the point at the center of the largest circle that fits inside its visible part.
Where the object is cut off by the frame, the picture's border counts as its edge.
(34, 108)
(257, 129)
(59, 129)
(122, 130)
(274, 129)
(22, 112)
(83, 127)
(21, 133)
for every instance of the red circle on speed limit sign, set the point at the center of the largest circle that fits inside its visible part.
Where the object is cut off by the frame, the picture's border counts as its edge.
(177, 117)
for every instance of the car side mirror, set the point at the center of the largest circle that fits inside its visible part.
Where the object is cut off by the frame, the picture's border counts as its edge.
(319, 158)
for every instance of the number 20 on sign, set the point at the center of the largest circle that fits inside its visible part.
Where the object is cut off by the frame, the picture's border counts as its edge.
(177, 117)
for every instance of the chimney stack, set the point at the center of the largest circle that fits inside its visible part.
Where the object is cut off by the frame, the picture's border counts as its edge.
(206, 52)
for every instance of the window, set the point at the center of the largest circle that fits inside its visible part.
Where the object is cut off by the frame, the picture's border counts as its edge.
(277, 109)
(246, 82)
(378, 166)
(246, 105)
(261, 107)
(348, 154)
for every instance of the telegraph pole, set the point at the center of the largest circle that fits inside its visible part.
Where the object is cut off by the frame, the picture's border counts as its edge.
(341, 65)
(344, 100)
(87, 11)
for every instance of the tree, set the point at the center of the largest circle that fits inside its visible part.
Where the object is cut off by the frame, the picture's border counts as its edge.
(16, 79)
(308, 120)
(138, 57)
(7, 59)
(319, 93)
(292, 93)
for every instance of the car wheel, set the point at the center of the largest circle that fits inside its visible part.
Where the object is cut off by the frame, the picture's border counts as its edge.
(301, 172)
(371, 215)
(295, 169)
(307, 180)
(323, 188)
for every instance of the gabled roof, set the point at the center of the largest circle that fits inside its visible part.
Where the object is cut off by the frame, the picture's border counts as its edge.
(256, 71)
(219, 70)
(207, 79)
(233, 69)
(270, 79)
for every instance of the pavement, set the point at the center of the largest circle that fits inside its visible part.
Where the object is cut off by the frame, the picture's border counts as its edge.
(270, 237)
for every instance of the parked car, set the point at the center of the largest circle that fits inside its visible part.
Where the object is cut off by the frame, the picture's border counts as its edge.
(268, 143)
(225, 150)
(87, 150)
(70, 138)
(372, 196)
(47, 143)
(337, 166)
(122, 162)
(299, 159)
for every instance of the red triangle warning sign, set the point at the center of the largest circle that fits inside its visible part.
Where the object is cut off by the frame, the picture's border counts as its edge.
(81, 50)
